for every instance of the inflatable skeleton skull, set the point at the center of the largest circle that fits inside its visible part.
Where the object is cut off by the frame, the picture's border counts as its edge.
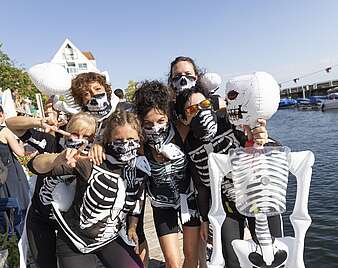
(260, 178)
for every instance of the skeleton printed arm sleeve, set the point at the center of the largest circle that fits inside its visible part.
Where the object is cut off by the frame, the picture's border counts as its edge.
(140, 201)
(203, 193)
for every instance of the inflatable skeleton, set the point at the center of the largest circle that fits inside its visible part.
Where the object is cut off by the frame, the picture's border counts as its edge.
(260, 177)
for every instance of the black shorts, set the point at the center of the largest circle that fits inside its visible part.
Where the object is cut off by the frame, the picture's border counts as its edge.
(166, 221)
(114, 254)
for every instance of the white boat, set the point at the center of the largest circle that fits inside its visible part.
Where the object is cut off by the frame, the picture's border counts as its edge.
(331, 102)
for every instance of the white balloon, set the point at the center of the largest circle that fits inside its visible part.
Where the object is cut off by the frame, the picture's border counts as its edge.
(50, 78)
(211, 81)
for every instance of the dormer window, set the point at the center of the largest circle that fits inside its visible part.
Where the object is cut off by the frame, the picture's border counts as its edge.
(69, 53)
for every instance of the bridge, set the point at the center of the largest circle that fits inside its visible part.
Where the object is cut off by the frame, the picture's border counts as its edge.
(316, 89)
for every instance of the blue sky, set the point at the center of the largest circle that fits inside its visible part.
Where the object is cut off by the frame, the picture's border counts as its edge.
(136, 40)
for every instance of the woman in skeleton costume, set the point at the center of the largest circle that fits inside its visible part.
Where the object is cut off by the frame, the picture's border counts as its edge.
(40, 224)
(169, 183)
(105, 195)
(184, 73)
(209, 133)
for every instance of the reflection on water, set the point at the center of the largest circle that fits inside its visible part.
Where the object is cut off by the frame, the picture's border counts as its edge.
(318, 132)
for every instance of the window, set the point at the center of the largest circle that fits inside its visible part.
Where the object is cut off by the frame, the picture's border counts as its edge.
(72, 70)
(69, 53)
(82, 66)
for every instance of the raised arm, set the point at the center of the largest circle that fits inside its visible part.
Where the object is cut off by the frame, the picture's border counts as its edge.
(20, 124)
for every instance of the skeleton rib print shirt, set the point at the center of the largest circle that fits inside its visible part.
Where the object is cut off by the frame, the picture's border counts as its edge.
(104, 197)
(225, 139)
(168, 179)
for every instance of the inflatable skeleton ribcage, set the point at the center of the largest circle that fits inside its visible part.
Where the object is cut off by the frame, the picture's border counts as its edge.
(260, 180)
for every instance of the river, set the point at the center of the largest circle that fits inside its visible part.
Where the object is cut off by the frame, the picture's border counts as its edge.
(318, 132)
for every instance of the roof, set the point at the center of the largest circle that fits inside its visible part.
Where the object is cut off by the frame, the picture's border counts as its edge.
(88, 55)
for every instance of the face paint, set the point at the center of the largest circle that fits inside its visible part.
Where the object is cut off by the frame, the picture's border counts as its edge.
(156, 135)
(204, 125)
(123, 151)
(99, 106)
(182, 82)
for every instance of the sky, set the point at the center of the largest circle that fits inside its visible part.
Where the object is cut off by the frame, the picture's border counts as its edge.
(137, 40)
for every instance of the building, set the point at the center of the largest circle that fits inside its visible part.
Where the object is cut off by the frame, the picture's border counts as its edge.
(76, 61)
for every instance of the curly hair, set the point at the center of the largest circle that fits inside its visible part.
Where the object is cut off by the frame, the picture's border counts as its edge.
(152, 95)
(179, 59)
(120, 118)
(80, 84)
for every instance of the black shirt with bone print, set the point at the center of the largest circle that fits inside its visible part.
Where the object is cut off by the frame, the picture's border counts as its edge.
(105, 195)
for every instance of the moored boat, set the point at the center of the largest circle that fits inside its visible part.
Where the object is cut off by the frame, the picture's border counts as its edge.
(287, 103)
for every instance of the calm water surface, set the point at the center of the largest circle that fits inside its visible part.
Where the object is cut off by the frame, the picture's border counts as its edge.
(318, 132)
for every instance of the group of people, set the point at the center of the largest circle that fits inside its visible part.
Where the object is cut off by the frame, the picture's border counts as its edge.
(95, 172)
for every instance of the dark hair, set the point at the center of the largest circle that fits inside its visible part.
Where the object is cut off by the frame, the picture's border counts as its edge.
(179, 59)
(120, 118)
(152, 94)
(80, 85)
(119, 93)
(1, 109)
(183, 97)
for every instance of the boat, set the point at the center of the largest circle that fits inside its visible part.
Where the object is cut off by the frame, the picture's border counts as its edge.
(287, 103)
(317, 99)
(305, 104)
(331, 103)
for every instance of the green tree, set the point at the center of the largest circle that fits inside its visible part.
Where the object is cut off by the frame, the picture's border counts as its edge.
(16, 79)
(130, 90)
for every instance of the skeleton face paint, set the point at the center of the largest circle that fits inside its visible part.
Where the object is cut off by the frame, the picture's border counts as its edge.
(99, 106)
(182, 82)
(204, 125)
(123, 151)
(156, 135)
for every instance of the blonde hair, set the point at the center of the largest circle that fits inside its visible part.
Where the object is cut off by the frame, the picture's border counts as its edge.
(80, 121)
(120, 118)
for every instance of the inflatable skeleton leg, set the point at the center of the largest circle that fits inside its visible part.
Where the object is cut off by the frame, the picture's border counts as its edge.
(264, 237)
(300, 164)
(219, 166)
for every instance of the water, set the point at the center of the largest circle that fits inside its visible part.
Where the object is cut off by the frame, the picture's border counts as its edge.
(318, 132)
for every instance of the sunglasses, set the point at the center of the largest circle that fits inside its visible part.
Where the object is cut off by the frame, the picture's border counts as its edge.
(204, 104)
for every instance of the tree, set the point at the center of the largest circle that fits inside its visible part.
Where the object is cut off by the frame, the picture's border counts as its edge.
(129, 92)
(16, 79)
(4, 59)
